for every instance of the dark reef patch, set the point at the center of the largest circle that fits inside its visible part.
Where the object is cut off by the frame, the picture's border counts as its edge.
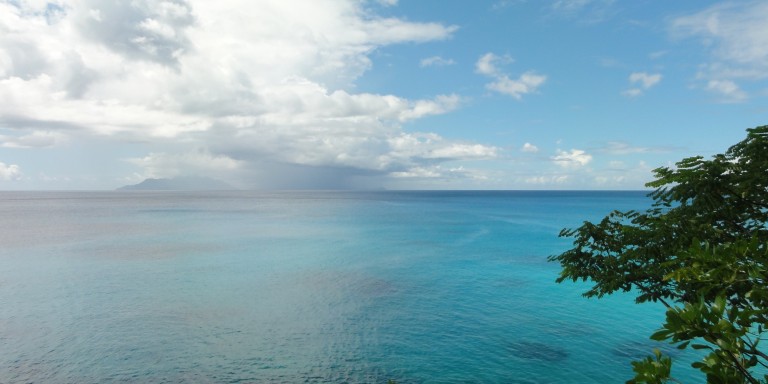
(532, 350)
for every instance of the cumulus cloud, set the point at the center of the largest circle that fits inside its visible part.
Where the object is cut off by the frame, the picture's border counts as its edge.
(576, 158)
(643, 81)
(486, 64)
(530, 148)
(9, 172)
(436, 61)
(217, 87)
(528, 82)
(736, 36)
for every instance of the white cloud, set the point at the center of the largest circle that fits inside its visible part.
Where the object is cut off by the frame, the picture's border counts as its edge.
(392, 31)
(9, 172)
(436, 61)
(729, 90)
(736, 37)
(412, 150)
(526, 83)
(420, 108)
(574, 159)
(646, 80)
(642, 79)
(224, 86)
(735, 32)
(418, 172)
(485, 64)
(530, 148)
(439, 173)
(572, 172)
(462, 151)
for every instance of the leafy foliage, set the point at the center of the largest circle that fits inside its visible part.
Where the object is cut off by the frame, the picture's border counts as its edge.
(654, 369)
(701, 250)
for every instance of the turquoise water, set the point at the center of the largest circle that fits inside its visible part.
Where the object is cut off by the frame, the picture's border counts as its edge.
(358, 287)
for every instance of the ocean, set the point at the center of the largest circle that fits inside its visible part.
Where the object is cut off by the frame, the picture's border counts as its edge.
(309, 287)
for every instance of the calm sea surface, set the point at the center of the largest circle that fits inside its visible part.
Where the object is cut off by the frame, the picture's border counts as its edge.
(357, 287)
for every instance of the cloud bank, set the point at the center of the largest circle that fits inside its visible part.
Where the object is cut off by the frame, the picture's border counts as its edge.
(225, 89)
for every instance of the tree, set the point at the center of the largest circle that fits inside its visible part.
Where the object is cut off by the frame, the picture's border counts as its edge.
(701, 250)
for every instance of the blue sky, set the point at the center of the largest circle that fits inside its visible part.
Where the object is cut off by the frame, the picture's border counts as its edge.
(419, 94)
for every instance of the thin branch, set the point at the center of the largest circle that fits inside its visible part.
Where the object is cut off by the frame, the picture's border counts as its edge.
(665, 303)
(737, 364)
(757, 352)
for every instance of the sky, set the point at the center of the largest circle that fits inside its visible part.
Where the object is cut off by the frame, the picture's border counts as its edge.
(376, 94)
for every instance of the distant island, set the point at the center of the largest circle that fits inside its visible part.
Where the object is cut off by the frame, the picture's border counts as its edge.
(189, 183)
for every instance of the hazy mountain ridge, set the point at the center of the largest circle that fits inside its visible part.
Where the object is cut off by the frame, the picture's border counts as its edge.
(190, 183)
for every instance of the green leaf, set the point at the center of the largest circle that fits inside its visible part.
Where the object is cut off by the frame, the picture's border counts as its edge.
(660, 335)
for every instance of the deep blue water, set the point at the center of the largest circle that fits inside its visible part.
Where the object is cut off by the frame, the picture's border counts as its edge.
(358, 287)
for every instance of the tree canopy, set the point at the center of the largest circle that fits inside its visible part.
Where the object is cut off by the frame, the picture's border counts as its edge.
(702, 251)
